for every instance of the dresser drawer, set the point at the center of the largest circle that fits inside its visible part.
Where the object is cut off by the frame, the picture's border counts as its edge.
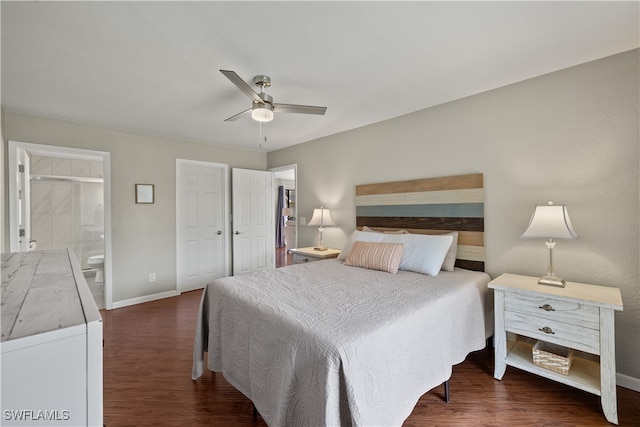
(553, 331)
(571, 312)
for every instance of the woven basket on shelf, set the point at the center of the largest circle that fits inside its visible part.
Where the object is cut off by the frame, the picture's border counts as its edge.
(553, 357)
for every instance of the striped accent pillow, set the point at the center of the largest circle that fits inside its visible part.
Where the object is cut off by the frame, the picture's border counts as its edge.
(375, 256)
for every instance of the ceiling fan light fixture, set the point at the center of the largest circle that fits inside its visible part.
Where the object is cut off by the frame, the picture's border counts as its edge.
(262, 112)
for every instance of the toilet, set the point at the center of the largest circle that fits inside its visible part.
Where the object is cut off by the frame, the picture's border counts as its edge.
(97, 262)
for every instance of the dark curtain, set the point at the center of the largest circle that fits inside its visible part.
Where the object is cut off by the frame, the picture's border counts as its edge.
(280, 223)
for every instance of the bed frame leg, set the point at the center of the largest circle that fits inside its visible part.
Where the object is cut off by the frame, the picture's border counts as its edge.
(446, 391)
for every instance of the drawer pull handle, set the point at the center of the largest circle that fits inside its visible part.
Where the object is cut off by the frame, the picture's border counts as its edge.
(547, 307)
(547, 330)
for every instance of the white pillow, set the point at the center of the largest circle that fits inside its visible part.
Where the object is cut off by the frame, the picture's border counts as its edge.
(450, 259)
(371, 230)
(423, 253)
(363, 237)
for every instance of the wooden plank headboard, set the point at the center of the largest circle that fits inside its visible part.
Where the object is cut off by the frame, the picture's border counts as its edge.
(429, 206)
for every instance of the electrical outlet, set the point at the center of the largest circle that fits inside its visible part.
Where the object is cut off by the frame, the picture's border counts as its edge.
(152, 277)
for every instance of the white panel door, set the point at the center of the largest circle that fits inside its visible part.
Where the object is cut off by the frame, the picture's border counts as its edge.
(201, 218)
(253, 221)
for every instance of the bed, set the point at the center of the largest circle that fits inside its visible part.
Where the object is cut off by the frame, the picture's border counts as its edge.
(327, 343)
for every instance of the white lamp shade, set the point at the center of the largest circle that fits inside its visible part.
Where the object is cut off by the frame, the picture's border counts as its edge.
(321, 217)
(287, 212)
(551, 221)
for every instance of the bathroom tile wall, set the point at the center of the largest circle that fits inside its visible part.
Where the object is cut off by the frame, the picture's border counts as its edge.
(66, 214)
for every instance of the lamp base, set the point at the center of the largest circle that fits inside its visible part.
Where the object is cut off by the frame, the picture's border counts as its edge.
(552, 281)
(320, 247)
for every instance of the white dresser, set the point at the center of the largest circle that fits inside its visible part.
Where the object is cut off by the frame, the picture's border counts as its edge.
(578, 316)
(51, 348)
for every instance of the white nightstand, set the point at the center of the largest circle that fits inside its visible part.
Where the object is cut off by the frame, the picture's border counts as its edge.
(301, 255)
(578, 316)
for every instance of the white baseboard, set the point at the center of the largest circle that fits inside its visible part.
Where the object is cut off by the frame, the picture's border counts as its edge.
(146, 298)
(628, 382)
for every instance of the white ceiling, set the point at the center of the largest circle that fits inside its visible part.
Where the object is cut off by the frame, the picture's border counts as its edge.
(154, 66)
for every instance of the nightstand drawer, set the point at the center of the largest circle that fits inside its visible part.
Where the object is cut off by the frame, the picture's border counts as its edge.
(571, 312)
(553, 331)
(299, 259)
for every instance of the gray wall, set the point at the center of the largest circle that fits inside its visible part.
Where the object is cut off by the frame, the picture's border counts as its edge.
(571, 137)
(143, 236)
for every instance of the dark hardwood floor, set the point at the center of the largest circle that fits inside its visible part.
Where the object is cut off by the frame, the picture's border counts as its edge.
(283, 257)
(147, 382)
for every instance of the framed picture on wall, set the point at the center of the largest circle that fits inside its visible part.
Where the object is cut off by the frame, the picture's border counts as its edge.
(144, 193)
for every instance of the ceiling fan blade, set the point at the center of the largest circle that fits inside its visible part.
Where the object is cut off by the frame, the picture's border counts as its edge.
(237, 116)
(300, 109)
(242, 85)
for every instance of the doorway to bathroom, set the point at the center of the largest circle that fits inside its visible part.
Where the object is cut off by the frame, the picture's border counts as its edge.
(59, 198)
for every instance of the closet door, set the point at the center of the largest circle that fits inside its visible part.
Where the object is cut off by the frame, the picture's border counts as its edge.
(253, 221)
(201, 218)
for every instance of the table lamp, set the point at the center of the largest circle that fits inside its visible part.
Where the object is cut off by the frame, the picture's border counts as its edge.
(550, 222)
(287, 212)
(322, 218)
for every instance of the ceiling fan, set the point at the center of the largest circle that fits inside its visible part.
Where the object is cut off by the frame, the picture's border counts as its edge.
(263, 106)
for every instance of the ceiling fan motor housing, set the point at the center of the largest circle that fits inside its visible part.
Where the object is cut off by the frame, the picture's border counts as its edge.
(262, 81)
(268, 99)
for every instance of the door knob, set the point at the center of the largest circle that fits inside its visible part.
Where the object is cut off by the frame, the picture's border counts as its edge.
(219, 232)
(237, 232)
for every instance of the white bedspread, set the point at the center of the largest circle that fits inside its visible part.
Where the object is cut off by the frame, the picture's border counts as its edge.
(325, 344)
